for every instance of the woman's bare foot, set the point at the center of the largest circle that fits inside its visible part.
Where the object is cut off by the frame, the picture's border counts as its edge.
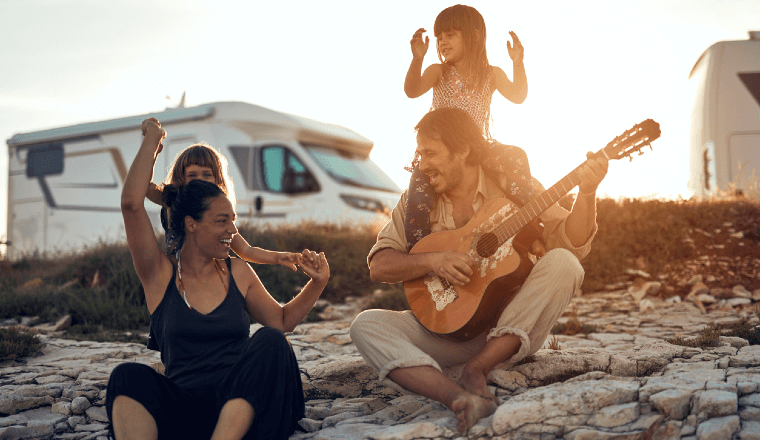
(474, 382)
(470, 408)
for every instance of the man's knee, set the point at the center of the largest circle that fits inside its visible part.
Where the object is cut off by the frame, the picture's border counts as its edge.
(359, 326)
(564, 266)
(365, 326)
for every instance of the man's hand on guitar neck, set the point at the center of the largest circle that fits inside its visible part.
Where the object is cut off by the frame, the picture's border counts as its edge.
(592, 172)
(392, 266)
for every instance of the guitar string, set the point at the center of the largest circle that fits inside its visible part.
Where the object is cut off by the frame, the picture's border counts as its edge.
(497, 236)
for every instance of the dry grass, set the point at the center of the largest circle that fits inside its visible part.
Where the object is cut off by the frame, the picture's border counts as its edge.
(554, 344)
(100, 289)
(16, 343)
(573, 326)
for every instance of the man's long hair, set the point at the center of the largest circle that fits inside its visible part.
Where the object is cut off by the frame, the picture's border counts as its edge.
(456, 129)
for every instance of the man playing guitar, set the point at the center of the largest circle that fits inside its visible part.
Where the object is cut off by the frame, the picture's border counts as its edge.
(409, 356)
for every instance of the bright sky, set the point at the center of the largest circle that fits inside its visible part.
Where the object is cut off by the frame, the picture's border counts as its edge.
(595, 68)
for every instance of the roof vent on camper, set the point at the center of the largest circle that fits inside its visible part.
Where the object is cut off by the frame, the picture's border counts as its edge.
(754, 35)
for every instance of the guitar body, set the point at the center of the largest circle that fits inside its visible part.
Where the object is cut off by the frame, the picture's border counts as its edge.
(477, 305)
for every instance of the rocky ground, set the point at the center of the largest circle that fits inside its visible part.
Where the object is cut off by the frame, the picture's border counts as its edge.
(621, 382)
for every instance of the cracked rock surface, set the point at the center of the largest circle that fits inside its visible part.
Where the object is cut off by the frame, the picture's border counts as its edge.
(622, 382)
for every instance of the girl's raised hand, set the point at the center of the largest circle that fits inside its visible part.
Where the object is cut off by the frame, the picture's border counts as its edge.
(419, 48)
(517, 51)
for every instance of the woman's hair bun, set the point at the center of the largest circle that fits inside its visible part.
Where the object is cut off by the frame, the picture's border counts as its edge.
(169, 194)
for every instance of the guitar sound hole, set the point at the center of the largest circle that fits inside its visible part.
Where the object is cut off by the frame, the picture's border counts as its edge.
(487, 245)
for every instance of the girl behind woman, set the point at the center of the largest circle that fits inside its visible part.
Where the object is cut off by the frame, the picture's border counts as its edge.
(219, 383)
(202, 161)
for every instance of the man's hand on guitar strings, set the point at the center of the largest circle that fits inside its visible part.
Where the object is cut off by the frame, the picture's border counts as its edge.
(592, 172)
(454, 266)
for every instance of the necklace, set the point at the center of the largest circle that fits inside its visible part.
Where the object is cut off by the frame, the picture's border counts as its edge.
(219, 271)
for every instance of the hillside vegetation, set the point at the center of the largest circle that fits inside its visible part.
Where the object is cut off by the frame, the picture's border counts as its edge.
(667, 239)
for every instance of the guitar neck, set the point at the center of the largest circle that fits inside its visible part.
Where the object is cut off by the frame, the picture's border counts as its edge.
(537, 206)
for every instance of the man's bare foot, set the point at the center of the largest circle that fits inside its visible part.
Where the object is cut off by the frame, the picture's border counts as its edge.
(474, 382)
(470, 408)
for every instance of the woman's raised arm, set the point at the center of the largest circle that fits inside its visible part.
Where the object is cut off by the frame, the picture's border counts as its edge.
(151, 264)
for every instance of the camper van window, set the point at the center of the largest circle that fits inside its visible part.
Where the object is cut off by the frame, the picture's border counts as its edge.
(44, 160)
(284, 172)
(351, 169)
(242, 157)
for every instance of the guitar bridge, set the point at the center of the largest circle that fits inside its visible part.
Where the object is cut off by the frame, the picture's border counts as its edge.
(441, 291)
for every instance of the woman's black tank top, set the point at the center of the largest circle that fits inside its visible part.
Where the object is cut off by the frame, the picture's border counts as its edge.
(196, 349)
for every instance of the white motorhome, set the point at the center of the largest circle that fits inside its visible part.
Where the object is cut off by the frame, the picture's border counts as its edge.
(725, 118)
(65, 183)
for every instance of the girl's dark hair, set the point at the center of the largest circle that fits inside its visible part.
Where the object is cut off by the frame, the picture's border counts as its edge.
(191, 200)
(457, 130)
(470, 23)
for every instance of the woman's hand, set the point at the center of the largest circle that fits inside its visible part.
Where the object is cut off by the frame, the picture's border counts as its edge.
(315, 266)
(151, 129)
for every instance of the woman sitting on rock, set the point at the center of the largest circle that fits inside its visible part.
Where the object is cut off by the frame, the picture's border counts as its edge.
(219, 383)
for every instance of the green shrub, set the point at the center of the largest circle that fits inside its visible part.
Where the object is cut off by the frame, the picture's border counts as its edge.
(15, 343)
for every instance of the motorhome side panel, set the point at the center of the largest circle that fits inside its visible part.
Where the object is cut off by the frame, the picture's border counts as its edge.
(739, 112)
(64, 195)
(725, 123)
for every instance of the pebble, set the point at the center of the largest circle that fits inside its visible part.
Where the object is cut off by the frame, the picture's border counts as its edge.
(622, 381)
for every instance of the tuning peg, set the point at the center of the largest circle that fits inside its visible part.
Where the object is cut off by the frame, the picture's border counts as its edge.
(630, 158)
(640, 152)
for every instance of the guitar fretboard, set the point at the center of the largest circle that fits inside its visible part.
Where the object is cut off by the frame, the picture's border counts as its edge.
(529, 212)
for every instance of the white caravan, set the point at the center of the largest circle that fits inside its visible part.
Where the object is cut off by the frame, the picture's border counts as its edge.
(725, 118)
(65, 183)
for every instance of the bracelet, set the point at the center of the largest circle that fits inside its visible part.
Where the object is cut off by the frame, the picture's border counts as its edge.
(590, 193)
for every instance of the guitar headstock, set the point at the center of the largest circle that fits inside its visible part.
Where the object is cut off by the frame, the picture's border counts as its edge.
(638, 137)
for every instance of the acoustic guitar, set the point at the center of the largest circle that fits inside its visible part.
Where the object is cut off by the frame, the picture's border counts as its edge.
(497, 239)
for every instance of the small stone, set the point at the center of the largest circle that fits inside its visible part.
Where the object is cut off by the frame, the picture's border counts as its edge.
(615, 415)
(674, 403)
(91, 427)
(79, 405)
(718, 429)
(706, 298)
(735, 302)
(750, 431)
(62, 408)
(717, 403)
(77, 420)
(734, 341)
(741, 291)
(97, 413)
(310, 425)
